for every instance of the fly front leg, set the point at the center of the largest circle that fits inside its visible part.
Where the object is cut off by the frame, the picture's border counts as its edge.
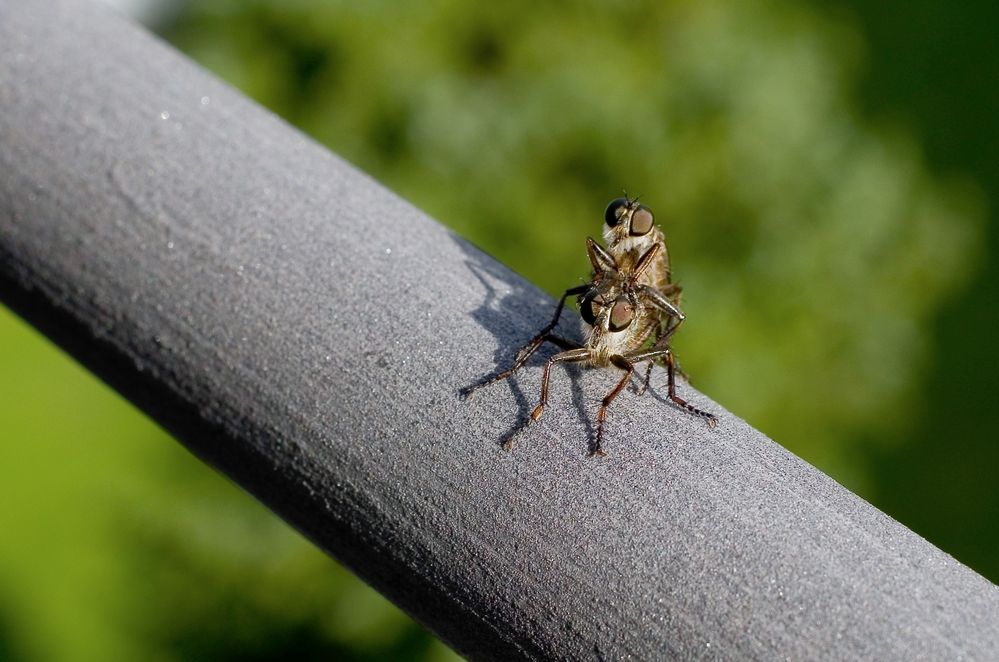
(624, 364)
(570, 356)
(658, 300)
(533, 345)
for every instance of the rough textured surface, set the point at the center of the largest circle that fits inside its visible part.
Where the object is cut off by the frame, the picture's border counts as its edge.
(306, 332)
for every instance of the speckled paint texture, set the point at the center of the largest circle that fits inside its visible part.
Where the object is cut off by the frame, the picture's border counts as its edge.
(307, 332)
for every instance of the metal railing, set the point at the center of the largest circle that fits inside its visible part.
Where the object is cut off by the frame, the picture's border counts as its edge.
(306, 332)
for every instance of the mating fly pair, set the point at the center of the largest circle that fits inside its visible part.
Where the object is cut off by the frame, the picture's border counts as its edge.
(630, 308)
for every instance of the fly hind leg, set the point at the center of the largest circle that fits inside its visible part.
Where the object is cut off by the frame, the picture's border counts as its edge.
(680, 402)
(532, 346)
(663, 334)
(666, 356)
(570, 356)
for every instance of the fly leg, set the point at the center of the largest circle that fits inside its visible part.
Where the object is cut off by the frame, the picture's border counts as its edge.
(648, 378)
(617, 361)
(671, 377)
(532, 346)
(673, 319)
(659, 345)
(666, 355)
(569, 356)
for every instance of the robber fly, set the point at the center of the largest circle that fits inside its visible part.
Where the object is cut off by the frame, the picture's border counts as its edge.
(630, 230)
(623, 309)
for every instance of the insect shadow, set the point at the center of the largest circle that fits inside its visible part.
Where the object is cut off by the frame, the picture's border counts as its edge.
(512, 317)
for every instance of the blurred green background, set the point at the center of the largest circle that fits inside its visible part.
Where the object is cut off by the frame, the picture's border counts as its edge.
(824, 173)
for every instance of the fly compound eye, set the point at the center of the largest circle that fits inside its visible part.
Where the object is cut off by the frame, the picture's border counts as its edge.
(616, 212)
(621, 314)
(590, 307)
(642, 221)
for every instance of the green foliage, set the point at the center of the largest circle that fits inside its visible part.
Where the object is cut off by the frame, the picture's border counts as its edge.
(814, 247)
(932, 65)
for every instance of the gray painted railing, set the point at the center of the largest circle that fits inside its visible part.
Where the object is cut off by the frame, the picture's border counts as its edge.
(306, 332)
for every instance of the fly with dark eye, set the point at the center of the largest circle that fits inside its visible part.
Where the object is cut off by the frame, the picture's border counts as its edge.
(630, 230)
(629, 308)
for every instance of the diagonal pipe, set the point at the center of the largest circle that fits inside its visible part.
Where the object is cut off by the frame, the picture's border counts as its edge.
(306, 332)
